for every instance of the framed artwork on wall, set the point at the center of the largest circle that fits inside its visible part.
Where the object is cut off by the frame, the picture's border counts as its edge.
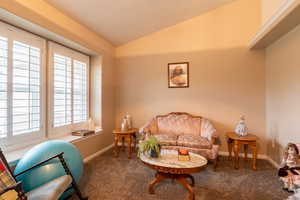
(178, 75)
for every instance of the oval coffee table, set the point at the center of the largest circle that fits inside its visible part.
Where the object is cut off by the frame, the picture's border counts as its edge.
(168, 166)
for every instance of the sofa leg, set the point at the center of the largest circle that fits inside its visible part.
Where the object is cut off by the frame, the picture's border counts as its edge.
(216, 163)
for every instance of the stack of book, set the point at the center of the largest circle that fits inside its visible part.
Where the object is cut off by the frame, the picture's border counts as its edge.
(82, 132)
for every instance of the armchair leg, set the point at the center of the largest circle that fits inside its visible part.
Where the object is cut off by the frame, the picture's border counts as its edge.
(74, 184)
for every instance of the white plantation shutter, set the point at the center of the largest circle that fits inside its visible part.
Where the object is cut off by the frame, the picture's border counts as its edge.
(3, 86)
(62, 90)
(22, 94)
(26, 88)
(68, 97)
(79, 91)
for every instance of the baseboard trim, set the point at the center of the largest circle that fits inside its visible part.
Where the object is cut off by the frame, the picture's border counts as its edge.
(98, 153)
(259, 156)
(275, 164)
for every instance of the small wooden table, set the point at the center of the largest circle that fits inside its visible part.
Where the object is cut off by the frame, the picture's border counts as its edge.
(235, 141)
(129, 136)
(168, 166)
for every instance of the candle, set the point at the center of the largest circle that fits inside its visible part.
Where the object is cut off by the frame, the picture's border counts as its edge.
(183, 152)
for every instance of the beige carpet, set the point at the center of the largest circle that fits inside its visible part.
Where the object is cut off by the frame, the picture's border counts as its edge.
(108, 177)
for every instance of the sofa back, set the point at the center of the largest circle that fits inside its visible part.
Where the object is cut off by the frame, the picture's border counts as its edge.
(178, 124)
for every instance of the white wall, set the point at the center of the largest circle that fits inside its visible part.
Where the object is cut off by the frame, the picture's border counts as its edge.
(283, 93)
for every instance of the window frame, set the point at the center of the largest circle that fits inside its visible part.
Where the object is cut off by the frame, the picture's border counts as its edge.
(14, 34)
(54, 48)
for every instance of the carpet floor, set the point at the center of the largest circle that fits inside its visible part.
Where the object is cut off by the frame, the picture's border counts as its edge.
(107, 177)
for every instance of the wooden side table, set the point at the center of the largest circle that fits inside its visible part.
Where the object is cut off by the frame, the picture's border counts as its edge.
(234, 142)
(129, 136)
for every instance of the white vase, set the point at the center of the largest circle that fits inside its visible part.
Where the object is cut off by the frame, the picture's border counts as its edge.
(241, 128)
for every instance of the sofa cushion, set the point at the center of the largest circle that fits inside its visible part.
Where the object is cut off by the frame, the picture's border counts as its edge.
(166, 139)
(174, 124)
(194, 142)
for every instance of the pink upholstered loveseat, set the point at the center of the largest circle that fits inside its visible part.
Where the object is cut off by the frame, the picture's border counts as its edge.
(185, 131)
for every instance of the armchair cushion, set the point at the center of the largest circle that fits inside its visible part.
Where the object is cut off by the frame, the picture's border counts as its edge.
(166, 139)
(194, 142)
(52, 190)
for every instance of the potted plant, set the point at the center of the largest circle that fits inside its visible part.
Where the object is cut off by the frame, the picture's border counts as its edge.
(151, 146)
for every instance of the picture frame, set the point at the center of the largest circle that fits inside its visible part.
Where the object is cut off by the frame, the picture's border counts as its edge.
(178, 75)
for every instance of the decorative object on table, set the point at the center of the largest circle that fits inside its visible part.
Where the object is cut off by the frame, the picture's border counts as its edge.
(122, 136)
(183, 155)
(83, 132)
(67, 161)
(126, 123)
(178, 75)
(179, 130)
(150, 146)
(241, 128)
(91, 124)
(235, 142)
(290, 168)
(169, 167)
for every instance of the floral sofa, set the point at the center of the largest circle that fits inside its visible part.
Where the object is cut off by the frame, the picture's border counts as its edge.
(184, 131)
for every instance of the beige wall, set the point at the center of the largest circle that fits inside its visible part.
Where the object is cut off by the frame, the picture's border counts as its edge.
(226, 79)
(282, 93)
(41, 13)
(269, 7)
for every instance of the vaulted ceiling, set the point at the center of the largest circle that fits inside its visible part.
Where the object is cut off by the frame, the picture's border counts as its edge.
(121, 21)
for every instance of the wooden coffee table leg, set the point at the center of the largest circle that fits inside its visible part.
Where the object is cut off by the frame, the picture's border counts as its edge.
(159, 177)
(192, 179)
(184, 182)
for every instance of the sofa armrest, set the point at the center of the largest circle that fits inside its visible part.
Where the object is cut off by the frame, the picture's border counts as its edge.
(208, 131)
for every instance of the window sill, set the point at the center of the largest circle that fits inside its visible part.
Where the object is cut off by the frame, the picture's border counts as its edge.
(14, 156)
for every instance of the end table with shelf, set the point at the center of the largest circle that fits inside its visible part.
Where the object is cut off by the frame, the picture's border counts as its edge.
(124, 135)
(235, 142)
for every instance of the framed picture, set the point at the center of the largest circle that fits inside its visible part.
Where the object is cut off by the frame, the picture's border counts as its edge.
(178, 75)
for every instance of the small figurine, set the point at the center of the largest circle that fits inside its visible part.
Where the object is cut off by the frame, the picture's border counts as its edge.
(289, 167)
(241, 128)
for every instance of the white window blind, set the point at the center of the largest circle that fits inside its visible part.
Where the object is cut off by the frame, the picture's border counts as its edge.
(3, 86)
(25, 89)
(62, 90)
(22, 105)
(79, 91)
(69, 95)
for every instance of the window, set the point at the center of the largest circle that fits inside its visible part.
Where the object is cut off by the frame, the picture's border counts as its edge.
(69, 91)
(21, 91)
